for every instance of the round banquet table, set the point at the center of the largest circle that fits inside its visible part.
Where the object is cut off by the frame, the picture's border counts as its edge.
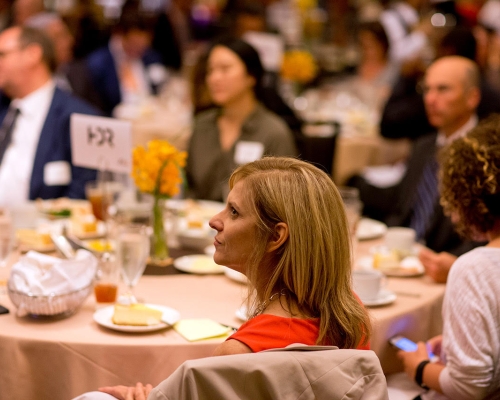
(59, 359)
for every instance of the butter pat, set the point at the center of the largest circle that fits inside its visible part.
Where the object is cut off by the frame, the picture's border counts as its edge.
(136, 315)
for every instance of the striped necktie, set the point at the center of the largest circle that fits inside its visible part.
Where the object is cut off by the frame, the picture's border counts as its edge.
(426, 198)
(6, 130)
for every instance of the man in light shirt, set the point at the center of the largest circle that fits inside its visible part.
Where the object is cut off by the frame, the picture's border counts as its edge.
(451, 96)
(36, 151)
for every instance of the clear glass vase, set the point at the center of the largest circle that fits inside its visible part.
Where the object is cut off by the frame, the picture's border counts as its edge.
(159, 253)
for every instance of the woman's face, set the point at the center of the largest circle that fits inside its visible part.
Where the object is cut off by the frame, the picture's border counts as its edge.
(236, 228)
(227, 77)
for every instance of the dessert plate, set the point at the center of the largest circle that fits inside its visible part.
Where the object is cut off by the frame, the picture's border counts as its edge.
(235, 275)
(104, 316)
(384, 297)
(409, 267)
(198, 264)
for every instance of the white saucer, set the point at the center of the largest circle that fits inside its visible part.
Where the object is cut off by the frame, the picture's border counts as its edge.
(370, 229)
(235, 275)
(385, 297)
(198, 264)
(103, 317)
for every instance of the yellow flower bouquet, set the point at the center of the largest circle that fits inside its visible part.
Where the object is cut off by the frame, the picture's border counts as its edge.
(298, 66)
(158, 170)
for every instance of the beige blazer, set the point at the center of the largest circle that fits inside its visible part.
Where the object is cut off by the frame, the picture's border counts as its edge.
(296, 372)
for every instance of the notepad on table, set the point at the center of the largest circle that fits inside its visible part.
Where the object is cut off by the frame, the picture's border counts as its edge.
(200, 328)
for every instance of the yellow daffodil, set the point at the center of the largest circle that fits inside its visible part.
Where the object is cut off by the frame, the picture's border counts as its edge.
(157, 168)
(298, 66)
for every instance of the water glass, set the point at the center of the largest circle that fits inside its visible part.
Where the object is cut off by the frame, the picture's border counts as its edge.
(132, 251)
(353, 208)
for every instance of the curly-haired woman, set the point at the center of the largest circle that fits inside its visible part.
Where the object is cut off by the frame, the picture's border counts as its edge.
(470, 345)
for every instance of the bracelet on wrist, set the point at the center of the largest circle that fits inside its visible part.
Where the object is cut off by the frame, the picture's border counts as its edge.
(419, 375)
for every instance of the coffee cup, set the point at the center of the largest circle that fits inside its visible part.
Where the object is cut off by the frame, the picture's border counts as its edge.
(400, 239)
(367, 284)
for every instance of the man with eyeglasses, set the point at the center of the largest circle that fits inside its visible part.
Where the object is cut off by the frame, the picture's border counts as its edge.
(451, 95)
(35, 151)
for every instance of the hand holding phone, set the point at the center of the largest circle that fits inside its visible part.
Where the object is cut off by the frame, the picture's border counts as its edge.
(406, 344)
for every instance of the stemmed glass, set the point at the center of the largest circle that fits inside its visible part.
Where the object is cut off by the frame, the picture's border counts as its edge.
(132, 250)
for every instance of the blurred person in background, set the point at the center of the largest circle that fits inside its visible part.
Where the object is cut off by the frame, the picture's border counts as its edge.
(35, 147)
(408, 34)
(173, 36)
(239, 129)
(451, 95)
(469, 348)
(71, 75)
(127, 69)
(404, 114)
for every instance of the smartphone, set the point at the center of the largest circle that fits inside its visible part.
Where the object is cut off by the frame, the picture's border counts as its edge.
(403, 343)
(406, 344)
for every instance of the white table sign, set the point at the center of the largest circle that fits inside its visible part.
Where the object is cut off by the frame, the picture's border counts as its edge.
(99, 142)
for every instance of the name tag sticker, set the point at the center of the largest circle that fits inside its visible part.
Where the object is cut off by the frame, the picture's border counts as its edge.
(57, 173)
(101, 143)
(246, 152)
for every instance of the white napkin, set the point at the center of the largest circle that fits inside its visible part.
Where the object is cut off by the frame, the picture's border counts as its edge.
(40, 274)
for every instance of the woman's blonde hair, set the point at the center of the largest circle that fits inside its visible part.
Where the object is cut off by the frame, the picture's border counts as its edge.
(313, 267)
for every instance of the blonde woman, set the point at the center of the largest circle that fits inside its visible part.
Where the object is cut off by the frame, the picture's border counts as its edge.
(284, 227)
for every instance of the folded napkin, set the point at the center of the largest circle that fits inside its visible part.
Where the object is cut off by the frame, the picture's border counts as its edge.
(202, 328)
(40, 274)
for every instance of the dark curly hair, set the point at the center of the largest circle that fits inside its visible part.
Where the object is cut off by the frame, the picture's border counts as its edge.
(470, 179)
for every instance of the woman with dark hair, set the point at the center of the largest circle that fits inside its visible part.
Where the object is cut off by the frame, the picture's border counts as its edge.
(469, 348)
(239, 129)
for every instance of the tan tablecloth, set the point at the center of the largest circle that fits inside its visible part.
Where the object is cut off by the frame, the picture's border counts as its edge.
(60, 359)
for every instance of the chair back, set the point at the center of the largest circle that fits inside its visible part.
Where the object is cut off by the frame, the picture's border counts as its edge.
(297, 372)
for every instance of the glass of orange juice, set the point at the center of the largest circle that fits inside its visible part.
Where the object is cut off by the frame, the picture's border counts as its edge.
(100, 198)
(107, 278)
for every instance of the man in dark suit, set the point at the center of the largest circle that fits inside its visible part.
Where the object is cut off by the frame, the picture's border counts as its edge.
(451, 96)
(35, 150)
(127, 69)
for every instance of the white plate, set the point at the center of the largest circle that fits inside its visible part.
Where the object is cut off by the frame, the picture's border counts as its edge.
(99, 232)
(370, 229)
(235, 275)
(410, 267)
(241, 313)
(104, 316)
(385, 297)
(198, 264)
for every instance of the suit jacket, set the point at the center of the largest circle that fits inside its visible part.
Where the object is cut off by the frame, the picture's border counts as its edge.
(298, 372)
(54, 145)
(394, 205)
(104, 75)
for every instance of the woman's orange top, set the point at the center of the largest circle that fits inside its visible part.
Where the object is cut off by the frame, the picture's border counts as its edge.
(267, 331)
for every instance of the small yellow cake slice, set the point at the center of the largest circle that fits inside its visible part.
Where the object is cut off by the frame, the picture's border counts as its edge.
(136, 315)
(33, 238)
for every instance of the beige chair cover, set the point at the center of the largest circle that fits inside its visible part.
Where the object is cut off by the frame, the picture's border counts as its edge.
(296, 372)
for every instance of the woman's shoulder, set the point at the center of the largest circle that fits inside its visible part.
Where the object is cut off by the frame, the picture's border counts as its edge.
(206, 115)
(479, 262)
(270, 120)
